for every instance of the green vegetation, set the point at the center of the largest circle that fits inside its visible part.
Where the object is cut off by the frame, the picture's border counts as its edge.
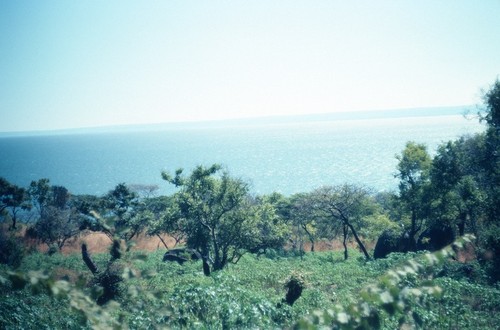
(242, 261)
(251, 293)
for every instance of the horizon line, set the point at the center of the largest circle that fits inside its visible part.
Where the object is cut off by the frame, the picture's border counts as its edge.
(271, 119)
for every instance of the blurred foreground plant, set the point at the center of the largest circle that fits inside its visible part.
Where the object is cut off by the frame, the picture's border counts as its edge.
(391, 295)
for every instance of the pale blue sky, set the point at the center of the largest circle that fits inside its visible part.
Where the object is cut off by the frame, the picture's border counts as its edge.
(67, 64)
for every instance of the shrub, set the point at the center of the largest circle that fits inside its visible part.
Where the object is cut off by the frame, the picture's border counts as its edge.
(390, 241)
(11, 251)
(490, 252)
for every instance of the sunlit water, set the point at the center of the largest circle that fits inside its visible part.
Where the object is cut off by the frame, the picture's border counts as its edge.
(287, 158)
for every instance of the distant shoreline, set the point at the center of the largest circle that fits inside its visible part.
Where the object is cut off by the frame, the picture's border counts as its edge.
(252, 121)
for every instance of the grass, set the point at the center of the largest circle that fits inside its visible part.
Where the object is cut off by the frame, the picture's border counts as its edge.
(245, 295)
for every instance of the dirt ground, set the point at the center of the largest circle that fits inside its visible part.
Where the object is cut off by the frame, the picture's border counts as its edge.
(98, 242)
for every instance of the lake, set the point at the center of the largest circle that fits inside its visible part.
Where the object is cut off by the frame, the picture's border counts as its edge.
(286, 156)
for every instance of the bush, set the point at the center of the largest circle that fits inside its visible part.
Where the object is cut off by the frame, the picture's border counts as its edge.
(470, 271)
(390, 241)
(435, 238)
(11, 251)
(490, 252)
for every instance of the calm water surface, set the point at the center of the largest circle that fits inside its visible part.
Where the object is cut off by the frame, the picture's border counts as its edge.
(288, 158)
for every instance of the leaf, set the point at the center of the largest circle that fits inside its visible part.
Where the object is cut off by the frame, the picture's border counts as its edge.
(418, 319)
(343, 318)
(386, 297)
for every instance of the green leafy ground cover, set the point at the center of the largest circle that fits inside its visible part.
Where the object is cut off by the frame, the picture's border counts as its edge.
(249, 294)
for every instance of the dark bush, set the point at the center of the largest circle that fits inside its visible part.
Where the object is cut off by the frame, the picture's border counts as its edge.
(390, 241)
(181, 255)
(435, 238)
(470, 271)
(11, 250)
(110, 281)
(490, 252)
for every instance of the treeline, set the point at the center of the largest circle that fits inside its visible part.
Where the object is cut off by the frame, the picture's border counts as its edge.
(453, 193)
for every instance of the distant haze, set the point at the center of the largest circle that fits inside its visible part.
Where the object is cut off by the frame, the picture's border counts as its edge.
(469, 112)
(73, 64)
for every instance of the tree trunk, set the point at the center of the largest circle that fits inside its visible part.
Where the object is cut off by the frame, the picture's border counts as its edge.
(346, 233)
(206, 267)
(217, 257)
(88, 261)
(413, 232)
(310, 236)
(461, 224)
(360, 244)
(161, 239)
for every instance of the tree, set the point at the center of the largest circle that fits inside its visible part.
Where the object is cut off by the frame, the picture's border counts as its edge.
(59, 197)
(56, 226)
(122, 218)
(166, 219)
(58, 221)
(145, 191)
(344, 204)
(491, 99)
(492, 150)
(39, 191)
(305, 218)
(212, 204)
(489, 239)
(413, 173)
(13, 199)
(268, 229)
(454, 187)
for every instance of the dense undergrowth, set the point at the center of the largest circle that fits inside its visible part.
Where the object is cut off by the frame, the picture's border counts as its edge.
(249, 294)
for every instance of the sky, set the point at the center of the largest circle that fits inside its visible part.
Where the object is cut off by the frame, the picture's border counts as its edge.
(71, 64)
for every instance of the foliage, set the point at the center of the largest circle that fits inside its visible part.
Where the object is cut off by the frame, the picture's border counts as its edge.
(413, 172)
(122, 217)
(457, 191)
(39, 192)
(455, 195)
(394, 295)
(391, 240)
(305, 220)
(492, 101)
(166, 219)
(345, 204)
(244, 295)
(11, 250)
(268, 230)
(490, 251)
(56, 226)
(12, 200)
(218, 224)
(294, 285)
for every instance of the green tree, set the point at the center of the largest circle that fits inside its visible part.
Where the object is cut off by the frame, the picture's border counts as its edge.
(58, 221)
(491, 113)
(122, 217)
(492, 150)
(344, 205)
(167, 219)
(268, 228)
(213, 205)
(305, 218)
(39, 191)
(56, 226)
(413, 172)
(12, 199)
(489, 239)
(456, 196)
